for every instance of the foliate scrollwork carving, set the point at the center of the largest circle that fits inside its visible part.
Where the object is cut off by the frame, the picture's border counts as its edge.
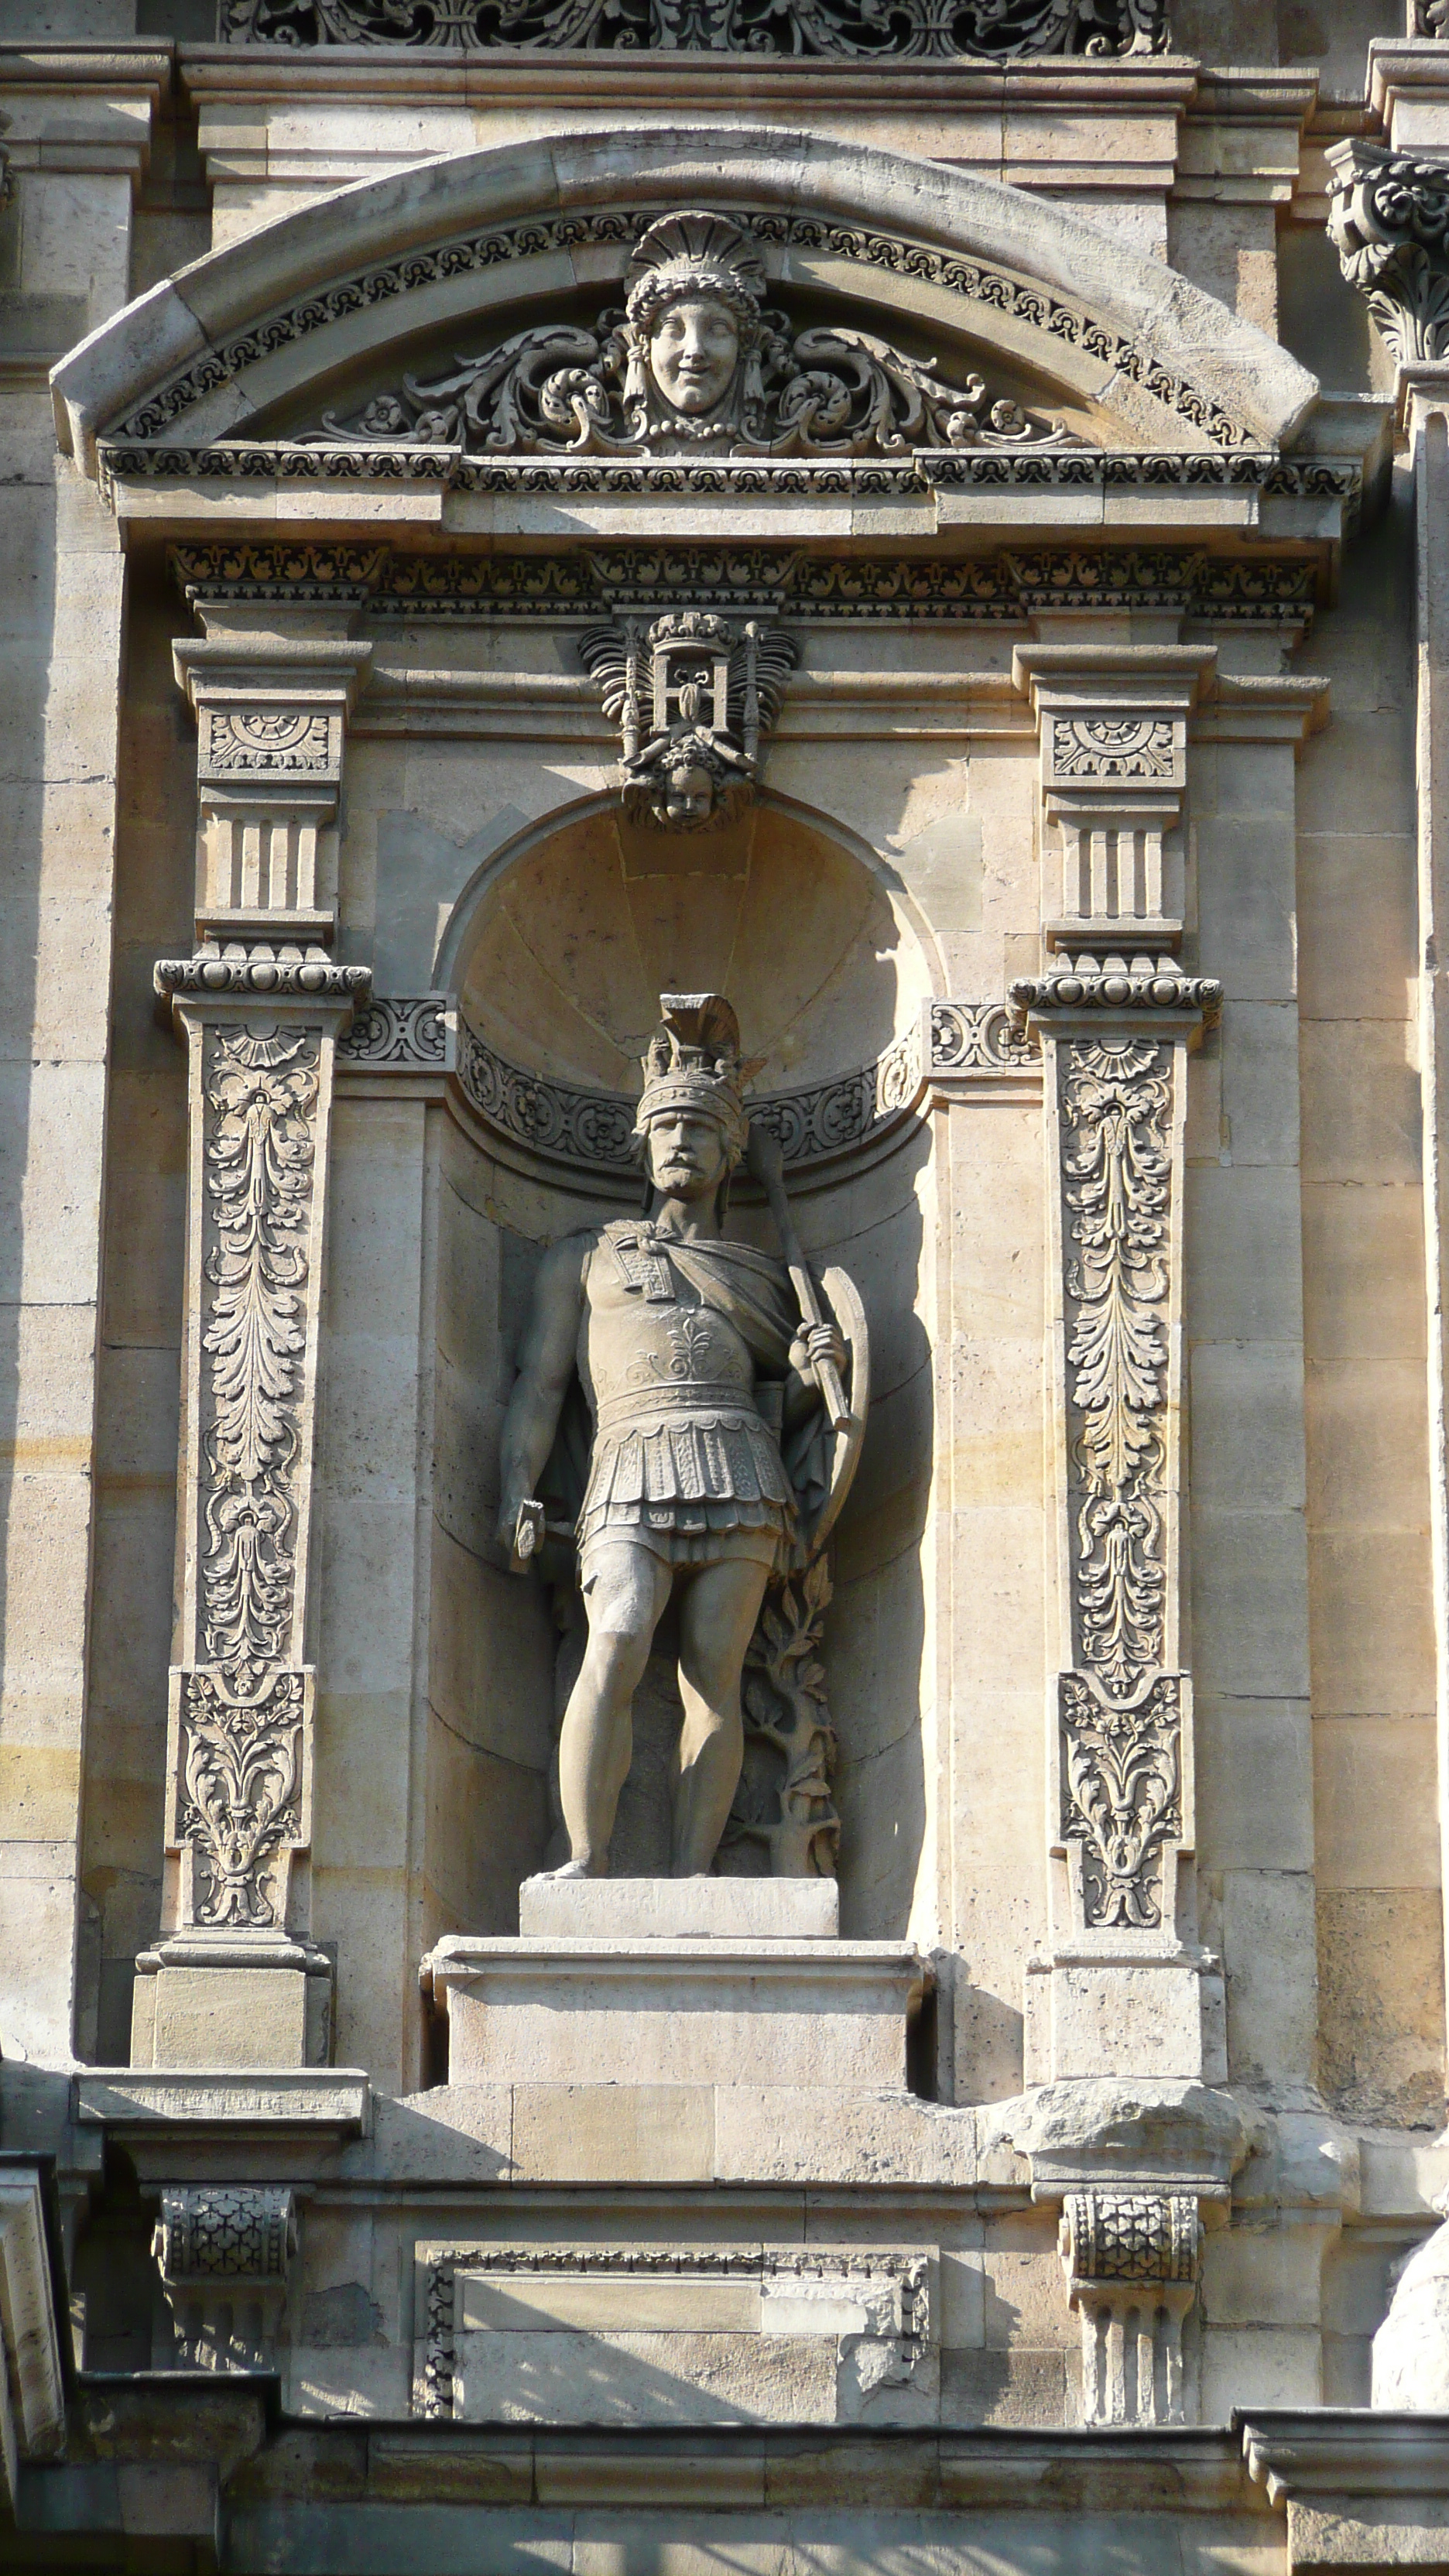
(1116, 1102)
(975, 282)
(980, 1037)
(1121, 1791)
(240, 1802)
(405, 1034)
(1388, 220)
(999, 31)
(596, 1127)
(691, 694)
(693, 360)
(261, 1094)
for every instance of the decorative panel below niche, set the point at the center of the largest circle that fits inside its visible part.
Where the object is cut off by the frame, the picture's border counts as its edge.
(641, 2335)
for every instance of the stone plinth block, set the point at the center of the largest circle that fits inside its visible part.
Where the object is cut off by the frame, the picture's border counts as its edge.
(657, 2011)
(679, 1909)
(205, 2000)
(1151, 2014)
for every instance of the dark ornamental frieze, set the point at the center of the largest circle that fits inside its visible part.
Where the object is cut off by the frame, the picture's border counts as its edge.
(994, 31)
(825, 589)
(695, 358)
(976, 282)
(1388, 220)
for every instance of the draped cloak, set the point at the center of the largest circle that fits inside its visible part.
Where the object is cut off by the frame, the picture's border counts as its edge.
(682, 1447)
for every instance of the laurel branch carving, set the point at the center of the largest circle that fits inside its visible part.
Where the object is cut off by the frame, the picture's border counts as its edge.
(785, 1800)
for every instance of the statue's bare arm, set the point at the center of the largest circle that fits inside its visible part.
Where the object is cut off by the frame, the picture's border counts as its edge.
(545, 1366)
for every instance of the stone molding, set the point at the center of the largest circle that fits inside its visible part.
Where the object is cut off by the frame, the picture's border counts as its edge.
(258, 971)
(975, 281)
(914, 31)
(1388, 220)
(1010, 586)
(1072, 469)
(224, 2252)
(1132, 2261)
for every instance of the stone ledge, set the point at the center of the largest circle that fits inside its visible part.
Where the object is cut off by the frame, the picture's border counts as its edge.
(177, 2098)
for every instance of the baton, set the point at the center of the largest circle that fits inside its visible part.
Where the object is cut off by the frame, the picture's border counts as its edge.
(764, 1159)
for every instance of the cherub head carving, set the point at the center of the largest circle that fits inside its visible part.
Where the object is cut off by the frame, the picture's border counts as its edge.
(686, 781)
(694, 325)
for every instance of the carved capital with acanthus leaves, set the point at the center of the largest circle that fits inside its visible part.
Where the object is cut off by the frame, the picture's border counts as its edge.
(1388, 220)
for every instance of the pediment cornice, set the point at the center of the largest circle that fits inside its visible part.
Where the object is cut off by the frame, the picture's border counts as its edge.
(265, 331)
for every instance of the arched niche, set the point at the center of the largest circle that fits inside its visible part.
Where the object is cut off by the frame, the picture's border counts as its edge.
(556, 955)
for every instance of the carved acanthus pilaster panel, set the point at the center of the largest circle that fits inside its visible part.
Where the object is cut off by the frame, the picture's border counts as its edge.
(1116, 1033)
(261, 1031)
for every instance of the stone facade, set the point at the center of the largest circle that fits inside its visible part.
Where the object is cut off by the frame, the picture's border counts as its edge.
(931, 526)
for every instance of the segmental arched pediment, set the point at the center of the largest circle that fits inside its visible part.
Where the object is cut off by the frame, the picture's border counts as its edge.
(240, 362)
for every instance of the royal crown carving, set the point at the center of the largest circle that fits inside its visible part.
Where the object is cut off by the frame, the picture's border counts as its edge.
(695, 361)
(1388, 220)
(989, 30)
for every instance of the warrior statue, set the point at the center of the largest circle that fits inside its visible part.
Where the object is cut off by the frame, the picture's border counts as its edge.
(720, 1432)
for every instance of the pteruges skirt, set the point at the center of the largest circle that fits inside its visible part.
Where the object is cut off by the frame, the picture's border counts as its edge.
(693, 1487)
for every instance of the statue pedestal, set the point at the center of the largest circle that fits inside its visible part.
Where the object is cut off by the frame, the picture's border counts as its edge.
(669, 1981)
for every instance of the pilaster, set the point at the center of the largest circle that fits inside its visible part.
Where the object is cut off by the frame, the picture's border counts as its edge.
(236, 1977)
(1123, 1988)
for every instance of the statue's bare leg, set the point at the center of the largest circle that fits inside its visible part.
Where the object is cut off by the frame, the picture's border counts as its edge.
(627, 1590)
(716, 1621)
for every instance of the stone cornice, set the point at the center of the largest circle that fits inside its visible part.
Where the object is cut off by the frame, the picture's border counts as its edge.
(1007, 587)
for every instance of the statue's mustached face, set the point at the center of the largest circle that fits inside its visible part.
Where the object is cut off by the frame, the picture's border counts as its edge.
(688, 1157)
(694, 349)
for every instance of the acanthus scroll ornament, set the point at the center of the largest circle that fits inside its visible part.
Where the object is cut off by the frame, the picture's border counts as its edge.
(999, 31)
(1116, 1110)
(261, 1101)
(241, 1794)
(1121, 1773)
(696, 362)
(1388, 220)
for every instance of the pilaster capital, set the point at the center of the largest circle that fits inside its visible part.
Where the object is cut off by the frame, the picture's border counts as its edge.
(257, 978)
(1101, 995)
(1113, 721)
(1388, 220)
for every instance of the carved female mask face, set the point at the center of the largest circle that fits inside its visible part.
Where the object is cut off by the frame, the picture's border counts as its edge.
(694, 349)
